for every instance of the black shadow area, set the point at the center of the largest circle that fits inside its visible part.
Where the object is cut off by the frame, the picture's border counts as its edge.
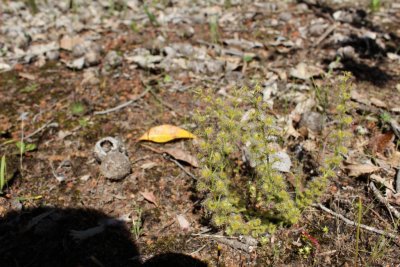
(73, 238)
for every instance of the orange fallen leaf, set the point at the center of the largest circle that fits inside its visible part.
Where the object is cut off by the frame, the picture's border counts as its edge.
(149, 196)
(165, 133)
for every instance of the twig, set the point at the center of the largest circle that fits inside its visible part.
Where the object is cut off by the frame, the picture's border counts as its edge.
(198, 250)
(326, 34)
(47, 124)
(326, 253)
(171, 159)
(363, 226)
(396, 127)
(123, 105)
(180, 166)
(379, 196)
(234, 244)
(398, 181)
(158, 151)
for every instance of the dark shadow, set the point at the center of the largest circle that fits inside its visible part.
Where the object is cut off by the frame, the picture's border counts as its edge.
(173, 260)
(73, 237)
(365, 47)
(359, 16)
(363, 72)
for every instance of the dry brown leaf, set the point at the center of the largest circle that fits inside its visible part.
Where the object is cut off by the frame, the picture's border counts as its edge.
(378, 103)
(379, 179)
(355, 170)
(5, 123)
(150, 197)
(393, 198)
(381, 142)
(56, 158)
(394, 160)
(148, 165)
(67, 43)
(179, 154)
(359, 97)
(291, 131)
(27, 76)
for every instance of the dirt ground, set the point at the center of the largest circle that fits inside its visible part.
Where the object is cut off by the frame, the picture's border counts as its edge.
(62, 64)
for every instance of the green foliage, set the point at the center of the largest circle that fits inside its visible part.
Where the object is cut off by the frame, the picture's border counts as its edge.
(248, 57)
(151, 16)
(244, 194)
(2, 173)
(214, 32)
(385, 117)
(84, 122)
(338, 145)
(77, 108)
(134, 27)
(30, 88)
(137, 228)
(305, 251)
(375, 5)
(24, 147)
(32, 6)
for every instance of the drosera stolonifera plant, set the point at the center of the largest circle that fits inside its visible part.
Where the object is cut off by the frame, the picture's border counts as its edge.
(243, 192)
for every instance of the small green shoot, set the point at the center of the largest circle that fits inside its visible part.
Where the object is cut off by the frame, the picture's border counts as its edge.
(321, 94)
(151, 16)
(32, 6)
(29, 88)
(2, 173)
(227, 4)
(385, 117)
(305, 251)
(375, 5)
(136, 228)
(134, 27)
(21, 199)
(24, 147)
(247, 58)
(167, 78)
(84, 122)
(325, 229)
(77, 108)
(214, 32)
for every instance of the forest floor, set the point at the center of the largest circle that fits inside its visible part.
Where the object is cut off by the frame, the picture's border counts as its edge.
(63, 63)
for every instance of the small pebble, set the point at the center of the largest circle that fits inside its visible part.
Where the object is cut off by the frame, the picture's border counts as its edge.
(112, 59)
(312, 120)
(115, 166)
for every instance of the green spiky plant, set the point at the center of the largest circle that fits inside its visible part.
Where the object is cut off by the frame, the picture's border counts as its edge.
(244, 193)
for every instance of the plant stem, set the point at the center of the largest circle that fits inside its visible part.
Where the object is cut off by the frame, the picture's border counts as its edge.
(358, 229)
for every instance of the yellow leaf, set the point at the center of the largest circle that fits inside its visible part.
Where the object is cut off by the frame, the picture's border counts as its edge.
(165, 133)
